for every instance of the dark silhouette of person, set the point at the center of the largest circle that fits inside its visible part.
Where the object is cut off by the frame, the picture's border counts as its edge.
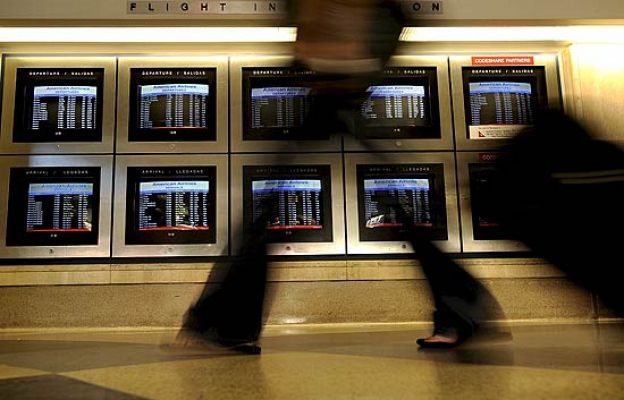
(562, 194)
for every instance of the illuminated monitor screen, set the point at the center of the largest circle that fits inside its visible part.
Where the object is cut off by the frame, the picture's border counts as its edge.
(276, 103)
(403, 106)
(418, 188)
(501, 101)
(58, 105)
(53, 206)
(291, 202)
(172, 104)
(171, 205)
(297, 203)
(484, 186)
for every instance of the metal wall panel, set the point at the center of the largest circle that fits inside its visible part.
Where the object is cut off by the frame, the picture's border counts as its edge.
(469, 243)
(220, 145)
(220, 247)
(457, 63)
(238, 144)
(354, 243)
(101, 249)
(334, 161)
(445, 142)
(7, 145)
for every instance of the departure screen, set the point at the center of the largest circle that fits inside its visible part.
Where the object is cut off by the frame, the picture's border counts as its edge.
(180, 105)
(404, 106)
(53, 206)
(416, 190)
(276, 103)
(172, 104)
(58, 105)
(171, 205)
(396, 104)
(279, 107)
(485, 203)
(502, 101)
(293, 203)
(64, 107)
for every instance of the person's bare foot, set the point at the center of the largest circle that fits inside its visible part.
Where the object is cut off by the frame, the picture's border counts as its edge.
(441, 338)
(191, 340)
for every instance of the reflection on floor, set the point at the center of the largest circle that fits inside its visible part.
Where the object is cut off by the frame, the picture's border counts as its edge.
(372, 362)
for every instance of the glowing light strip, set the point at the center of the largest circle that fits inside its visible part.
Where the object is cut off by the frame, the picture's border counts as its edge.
(573, 34)
(146, 35)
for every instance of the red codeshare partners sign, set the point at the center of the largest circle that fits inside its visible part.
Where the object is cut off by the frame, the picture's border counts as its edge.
(503, 60)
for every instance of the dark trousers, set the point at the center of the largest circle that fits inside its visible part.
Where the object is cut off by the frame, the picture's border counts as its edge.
(233, 308)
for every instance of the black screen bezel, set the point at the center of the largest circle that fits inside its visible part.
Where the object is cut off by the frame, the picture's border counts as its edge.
(168, 75)
(534, 75)
(21, 178)
(136, 175)
(321, 172)
(477, 193)
(24, 95)
(434, 172)
(420, 76)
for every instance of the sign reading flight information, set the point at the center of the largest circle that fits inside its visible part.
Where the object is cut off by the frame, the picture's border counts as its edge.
(203, 7)
(249, 8)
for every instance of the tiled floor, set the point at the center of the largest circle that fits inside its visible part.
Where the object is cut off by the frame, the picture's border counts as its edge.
(363, 362)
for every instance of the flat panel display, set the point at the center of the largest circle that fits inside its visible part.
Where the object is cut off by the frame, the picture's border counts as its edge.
(58, 105)
(276, 103)
(172, 104)
(292, 202)
(501, 101)
(404, 105)
(53, 206)
(417, 188)
(171, 205)
(481, 207)
(484, 184)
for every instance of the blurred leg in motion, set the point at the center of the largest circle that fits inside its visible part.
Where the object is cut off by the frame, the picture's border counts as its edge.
(229, 314)
(461, 302)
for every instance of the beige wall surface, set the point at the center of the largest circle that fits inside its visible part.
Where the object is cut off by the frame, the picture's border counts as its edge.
(163, 305)
(531, 10)
(598, 87)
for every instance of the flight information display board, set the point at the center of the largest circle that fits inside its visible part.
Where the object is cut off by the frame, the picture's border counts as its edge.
(501, 101)
(58, 105)
(418, 189)
(171, 205)
(403, 106)
(293, 203)
(172, 104)
(53, 206)
(276, 103)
